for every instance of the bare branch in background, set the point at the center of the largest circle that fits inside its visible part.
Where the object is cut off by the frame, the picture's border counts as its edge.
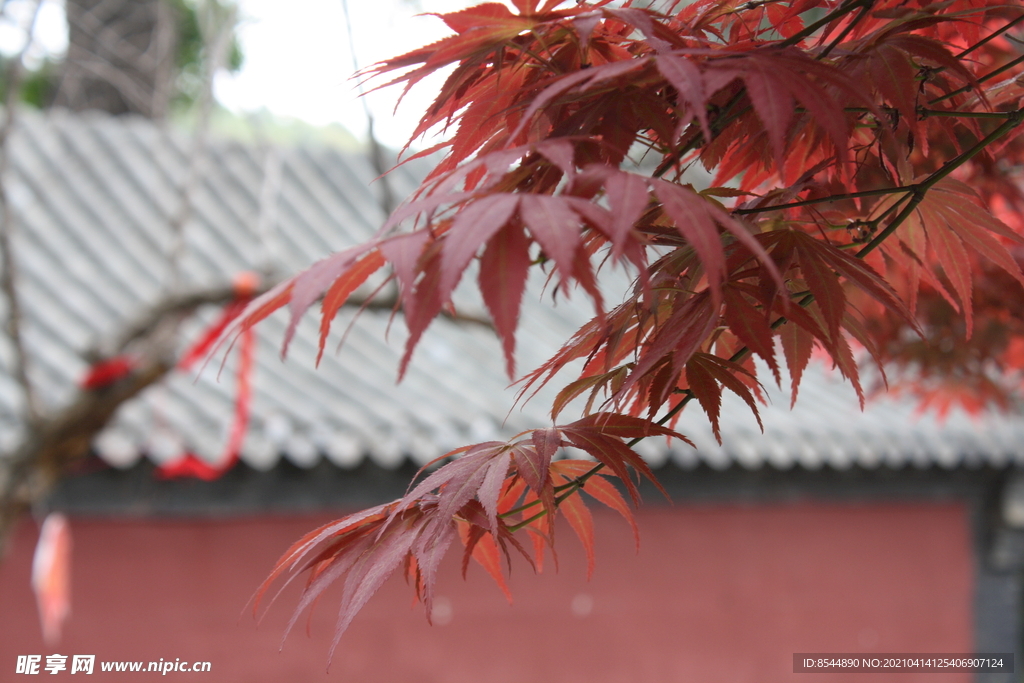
(266, 216)
(120, 57)
(54, 442)
(9, 273)
(61, 439)
(217, 27)
(380, 164)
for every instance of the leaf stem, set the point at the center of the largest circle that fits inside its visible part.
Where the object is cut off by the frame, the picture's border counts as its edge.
(576, 484)
(1012, 120)
(827, 19)
(846, 31)
(994, 34)
(991, 74)
(831, 198)
(926, 113)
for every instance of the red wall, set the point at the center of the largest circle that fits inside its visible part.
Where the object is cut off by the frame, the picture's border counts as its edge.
(717, 593)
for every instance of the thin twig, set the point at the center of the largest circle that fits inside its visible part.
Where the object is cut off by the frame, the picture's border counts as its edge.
(846, 31)
(993, 35)
(822, 200)
(387, 195)
(981, 79)
(8, 262)
(825, 20)
(926, 113)
(216, 53)
(919, 189)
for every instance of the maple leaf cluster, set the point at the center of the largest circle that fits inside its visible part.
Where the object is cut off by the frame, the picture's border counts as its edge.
(858, 148)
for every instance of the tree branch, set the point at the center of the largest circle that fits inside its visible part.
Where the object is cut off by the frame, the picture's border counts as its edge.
(8, 263)
(56, 442)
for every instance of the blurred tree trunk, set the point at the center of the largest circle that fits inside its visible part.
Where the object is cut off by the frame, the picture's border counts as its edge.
(120, 58)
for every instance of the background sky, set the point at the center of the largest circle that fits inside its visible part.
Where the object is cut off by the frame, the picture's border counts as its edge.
(298, 60)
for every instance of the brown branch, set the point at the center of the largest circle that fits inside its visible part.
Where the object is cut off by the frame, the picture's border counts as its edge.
(171, 308)
(846, 31)
(183, 305)
(825, 20)
(822, 200)
(55, 443)
(925, 113)
(919, 189)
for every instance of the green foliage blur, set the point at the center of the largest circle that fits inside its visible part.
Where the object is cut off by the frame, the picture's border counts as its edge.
(38, 86)
(39, 83)
(191, 57)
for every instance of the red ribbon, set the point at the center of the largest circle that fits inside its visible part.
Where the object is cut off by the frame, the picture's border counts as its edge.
(202, 346)
(105, 372)
(189, 465)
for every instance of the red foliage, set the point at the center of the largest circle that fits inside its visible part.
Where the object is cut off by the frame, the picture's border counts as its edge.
(478, 492)
(856, 148)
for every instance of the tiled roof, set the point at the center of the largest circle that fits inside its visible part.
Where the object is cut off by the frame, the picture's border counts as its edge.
(95, 197)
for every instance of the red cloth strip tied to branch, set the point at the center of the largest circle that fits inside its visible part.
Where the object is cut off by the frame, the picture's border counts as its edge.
(107, 371)
(190, 465)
